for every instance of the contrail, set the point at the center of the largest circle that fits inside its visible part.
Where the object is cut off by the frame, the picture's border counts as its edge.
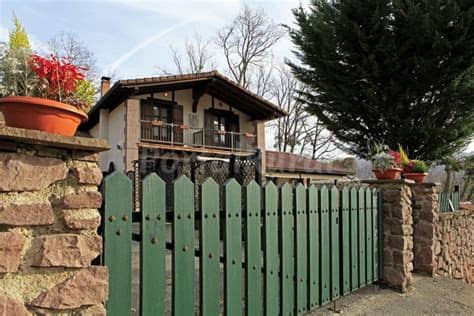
(144, 44)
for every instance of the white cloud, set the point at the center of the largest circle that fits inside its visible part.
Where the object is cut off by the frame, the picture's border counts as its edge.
(144, 43)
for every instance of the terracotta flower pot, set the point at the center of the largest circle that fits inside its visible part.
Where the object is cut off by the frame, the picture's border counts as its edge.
(41, 114)
(389, 174)
(418, 177)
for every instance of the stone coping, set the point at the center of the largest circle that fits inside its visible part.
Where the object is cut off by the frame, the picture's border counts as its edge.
(396, 181)
(34, 137)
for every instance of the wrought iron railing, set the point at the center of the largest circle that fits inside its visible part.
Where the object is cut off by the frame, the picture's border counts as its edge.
(175, 134)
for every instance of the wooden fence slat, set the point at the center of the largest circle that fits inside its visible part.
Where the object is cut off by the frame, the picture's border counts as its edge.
(183, 250)
(271, 250)
(287, 250)
(369, 236)
(153, 247)
(313, 246)
(233, 249)
(210, 249)
(362, 254)
(118, 242)
(354, 227)
(301, 249)
(380, 230)
(346, 255)
(335, 244)
(375, 218)
(254, 253)
(325, 247)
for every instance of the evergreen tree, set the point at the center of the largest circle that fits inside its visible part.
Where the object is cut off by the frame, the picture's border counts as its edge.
(389, 71)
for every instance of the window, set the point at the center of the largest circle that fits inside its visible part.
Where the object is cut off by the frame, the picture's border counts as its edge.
(152, 110)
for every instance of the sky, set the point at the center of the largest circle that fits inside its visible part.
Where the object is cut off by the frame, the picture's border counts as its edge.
(132, 38)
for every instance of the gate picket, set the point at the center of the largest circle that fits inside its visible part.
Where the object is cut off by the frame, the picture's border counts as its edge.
(301, 250)
(346, 264)
(362, 254)
(313, 241)
(118, 242)
(354, 223)
(183, 247)
(375, 233)
(287, 250)
(254, 254)
(325, 251)
(369, 232)
(153, 247)
(210, 249)
(335, 263)
(271, 250)
(233, 249)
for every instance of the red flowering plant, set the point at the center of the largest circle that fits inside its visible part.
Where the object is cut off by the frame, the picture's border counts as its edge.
(60, 80)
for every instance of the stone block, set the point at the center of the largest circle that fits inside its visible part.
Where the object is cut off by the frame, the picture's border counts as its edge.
(86, 287)
(88, 175)
(11, 307)
(20, 172)
(82, 219)
(66, 250)
(11, 247)
(87, 199)
(13, 214)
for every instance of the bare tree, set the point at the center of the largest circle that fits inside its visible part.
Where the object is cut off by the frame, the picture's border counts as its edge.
(197, 56)
(246, 43)
(299, 131)
(67, 44)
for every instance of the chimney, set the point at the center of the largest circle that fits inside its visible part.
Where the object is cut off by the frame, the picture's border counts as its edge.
(104, 85)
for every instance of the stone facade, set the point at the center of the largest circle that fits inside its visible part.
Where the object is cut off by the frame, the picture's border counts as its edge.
(49, 216)
(455, 255)
(425, 226)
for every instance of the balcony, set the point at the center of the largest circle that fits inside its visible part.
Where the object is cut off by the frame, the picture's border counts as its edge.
(182, 135)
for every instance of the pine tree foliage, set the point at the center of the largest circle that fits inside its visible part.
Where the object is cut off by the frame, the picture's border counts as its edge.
(398, 72)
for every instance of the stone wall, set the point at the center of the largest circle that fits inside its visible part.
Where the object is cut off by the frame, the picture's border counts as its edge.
(456, 240)
(48, 225)
(426, 232)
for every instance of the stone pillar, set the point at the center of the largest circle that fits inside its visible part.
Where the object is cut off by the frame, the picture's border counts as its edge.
(397, 232)
(49, 203)
(132, 133)
(426, 230)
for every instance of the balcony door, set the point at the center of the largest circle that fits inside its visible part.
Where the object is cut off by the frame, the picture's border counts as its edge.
(218, 124)
(161, 120)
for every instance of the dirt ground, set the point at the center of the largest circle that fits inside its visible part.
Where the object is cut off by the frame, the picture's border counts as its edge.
(439, 296)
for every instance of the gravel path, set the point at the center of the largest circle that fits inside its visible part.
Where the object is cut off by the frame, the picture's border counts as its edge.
(439, 296)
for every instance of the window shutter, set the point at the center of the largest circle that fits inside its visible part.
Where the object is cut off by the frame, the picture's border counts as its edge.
(177, 114)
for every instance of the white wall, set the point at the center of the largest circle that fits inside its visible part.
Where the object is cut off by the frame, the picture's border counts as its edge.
(116, 137)
(111, 127)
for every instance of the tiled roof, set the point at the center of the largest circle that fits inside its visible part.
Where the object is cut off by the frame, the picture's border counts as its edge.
(288, 162)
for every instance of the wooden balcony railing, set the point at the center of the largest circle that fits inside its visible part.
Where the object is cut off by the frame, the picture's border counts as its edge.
(175, 134)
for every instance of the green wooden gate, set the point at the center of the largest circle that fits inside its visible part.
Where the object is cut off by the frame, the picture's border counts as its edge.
(260, 250)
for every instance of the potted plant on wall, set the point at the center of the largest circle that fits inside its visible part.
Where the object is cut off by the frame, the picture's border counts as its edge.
(415, 170)
(386, 163)
(43, 93)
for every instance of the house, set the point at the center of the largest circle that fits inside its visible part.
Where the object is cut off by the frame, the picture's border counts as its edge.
(195, 124)
(287, 167)
(200, 125)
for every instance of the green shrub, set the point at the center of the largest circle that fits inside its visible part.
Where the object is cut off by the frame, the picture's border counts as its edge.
(419, 166)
